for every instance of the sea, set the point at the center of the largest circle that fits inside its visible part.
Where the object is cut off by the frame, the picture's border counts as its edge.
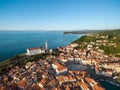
(16, 42)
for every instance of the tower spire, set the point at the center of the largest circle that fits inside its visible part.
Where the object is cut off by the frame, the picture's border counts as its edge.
(46, 45)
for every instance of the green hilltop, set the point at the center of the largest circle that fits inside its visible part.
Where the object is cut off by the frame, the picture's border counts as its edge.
(107, 40)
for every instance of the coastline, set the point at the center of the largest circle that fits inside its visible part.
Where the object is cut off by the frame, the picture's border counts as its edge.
(8, 60)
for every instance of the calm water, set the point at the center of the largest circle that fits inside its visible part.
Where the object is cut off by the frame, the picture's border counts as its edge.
(16, 42)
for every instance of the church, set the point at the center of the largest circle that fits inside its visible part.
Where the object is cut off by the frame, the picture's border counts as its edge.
(37, 50)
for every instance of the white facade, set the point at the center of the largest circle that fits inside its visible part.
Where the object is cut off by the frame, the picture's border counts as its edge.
(97, 72)
(34, 51)
(107, 73)
(74, 45)
(85, 62)
(63, 69)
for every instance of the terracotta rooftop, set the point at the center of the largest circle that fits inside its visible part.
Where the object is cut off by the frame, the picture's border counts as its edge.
(23, 83)
(89, 80)
(67, 87)
(60, 67)
(36, 48)
(83, 85)
(2, 88)
(34, 87)
(43, 81)
(71, 78)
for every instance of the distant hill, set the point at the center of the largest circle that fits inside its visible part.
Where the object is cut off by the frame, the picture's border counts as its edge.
(90, 31)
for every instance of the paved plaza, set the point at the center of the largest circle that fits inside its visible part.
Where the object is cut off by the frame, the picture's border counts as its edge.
(75, 66)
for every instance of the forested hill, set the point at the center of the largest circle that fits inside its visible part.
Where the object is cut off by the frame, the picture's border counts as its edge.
(92, 31)
(82, 32)
(110, 32)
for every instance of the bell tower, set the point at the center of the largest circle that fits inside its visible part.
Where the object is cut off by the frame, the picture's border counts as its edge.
(46, 45)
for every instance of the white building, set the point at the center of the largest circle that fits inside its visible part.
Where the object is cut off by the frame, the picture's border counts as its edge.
(59, 69)
(85, 62)
(107, 73)
(34, 51)
(74, 45)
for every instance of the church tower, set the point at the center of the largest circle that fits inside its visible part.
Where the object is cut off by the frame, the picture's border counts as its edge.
(46, 45)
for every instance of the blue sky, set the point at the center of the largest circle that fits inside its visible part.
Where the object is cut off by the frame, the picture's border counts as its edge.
(59, 14)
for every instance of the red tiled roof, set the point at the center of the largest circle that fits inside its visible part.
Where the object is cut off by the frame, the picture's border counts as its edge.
(34, 87)
(83, 85)
(36, 48)
(89, 79)
(60, 67)
(98, 88)
(22, 83)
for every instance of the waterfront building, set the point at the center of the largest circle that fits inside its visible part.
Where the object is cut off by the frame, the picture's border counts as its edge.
(34, 51)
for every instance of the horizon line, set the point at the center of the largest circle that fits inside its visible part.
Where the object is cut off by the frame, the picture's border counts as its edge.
(55, 29)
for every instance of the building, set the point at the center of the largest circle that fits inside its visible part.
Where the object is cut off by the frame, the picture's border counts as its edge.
(93, 84)
(23, 84)
(107, 73)
(74, 45)
(97, 69)
(83, 85)
(34, 51)
(91, 81)
(42, 83)
(59, 69)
